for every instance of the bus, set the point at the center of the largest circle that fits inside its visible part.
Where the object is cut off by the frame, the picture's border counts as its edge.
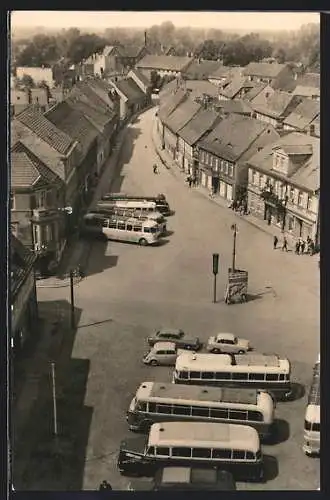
(232, 447)
(127, 229)
(312, 415)
(160, 200)
(159, 401)
(259, 371)
(136, 213)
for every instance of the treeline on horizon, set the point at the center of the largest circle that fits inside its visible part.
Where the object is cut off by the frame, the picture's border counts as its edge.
(73, 45)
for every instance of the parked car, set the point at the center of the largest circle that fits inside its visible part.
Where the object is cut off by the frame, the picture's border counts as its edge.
(162, 353)
(177, 336)
(185, 478)
(227, 343)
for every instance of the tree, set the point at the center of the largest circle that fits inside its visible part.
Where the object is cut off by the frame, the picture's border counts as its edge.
(43, 50)
(208, 50)
(27, 82)
(84, 46)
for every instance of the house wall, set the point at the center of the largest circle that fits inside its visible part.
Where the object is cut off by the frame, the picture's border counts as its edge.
(266, 119)
(37, 74)
(19, 97)
(170, 141)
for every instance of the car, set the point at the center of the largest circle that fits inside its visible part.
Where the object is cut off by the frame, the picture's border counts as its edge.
(177, 336)
(185, 478)
(227, 343)
(162, 353)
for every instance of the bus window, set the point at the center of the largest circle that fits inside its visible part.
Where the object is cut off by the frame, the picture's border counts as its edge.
(105, 223)
(237, 415)
(183, 375)
(181, 410)
(219, 453)
(200, 412)
(162, 451)
(250, 455)
(151, 450)
(272, 376)
(121, 225)
(208, 375)
(113, 225)
(238, 454)
(137, 229)
(129, 227)
(195, 375)
(146, 230)
(141, 406)
(256, 376)
(181, 452)
(255, 416)
(164, 409)
(152, 407)
(219, 413)
(201, 452)
(240, 376)
(222, 376)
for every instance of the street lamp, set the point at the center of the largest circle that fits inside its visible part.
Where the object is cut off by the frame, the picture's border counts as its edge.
(234, 229)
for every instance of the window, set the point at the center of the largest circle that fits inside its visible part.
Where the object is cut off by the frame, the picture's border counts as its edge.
(208, 375)
(141, 406)
(162, 451)
(112, 225)
(261, 181)
(164, 409)
(222, 376)
(255, 416)
(238, 454)
(290, 223)
(105, 223)
(224, 454)
(250, 455)
(291, 195)
(272, 376)
(181, 452)
(281, 376)
(195, 375)
(183, 375)
(200, 412)
(201, 453)
(12, 201)
(151, 450)
(300, 199)
(226, 168)
(309, 202)
(129, 227)
(152, 408)
(231, 170)
(181, 410)
(219, 413)
(253, 177)
(137, 229)
(237, 415)
(121, 225)
(147, 230)
(161, 352)
(256, 376)
(240, 376)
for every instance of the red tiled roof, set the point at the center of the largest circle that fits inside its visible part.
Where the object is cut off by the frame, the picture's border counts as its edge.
(36, 122)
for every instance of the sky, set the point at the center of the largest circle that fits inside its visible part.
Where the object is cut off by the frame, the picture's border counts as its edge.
(220, 20)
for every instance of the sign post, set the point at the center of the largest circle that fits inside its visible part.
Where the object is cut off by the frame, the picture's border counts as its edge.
(215, 257)
(234, 229)
(54, 397)
(72, 300)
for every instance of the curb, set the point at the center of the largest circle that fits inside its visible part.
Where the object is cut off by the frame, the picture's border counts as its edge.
(57, 283)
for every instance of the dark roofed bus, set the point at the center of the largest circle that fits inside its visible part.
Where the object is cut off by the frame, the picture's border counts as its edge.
(162, 204)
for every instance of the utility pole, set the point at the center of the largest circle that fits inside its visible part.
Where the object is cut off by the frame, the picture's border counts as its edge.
(72, 300)
(54, 397)
(234, 229)
(215, 258)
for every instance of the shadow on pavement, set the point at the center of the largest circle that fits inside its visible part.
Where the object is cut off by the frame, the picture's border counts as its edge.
(281, 432)
(41, 460)
(161, 242)
(98, 261)
(270, 468)
(169, 233)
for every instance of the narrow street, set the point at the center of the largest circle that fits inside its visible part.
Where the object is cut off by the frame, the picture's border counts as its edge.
(131, 291)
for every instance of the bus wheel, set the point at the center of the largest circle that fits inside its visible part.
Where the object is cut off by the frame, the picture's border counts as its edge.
(143, 242)
(216, 351)
(153, 362)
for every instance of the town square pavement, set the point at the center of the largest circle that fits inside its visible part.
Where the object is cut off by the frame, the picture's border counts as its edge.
(129, 291)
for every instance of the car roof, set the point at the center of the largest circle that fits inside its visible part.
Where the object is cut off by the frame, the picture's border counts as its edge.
(164, 345)
(225, 336)
(170, 330)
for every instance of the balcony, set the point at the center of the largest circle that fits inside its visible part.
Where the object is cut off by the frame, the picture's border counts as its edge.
(40, 215)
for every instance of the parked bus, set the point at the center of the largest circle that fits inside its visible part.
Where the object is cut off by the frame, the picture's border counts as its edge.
(312, 415)
(160, 200)
(231, 447)
(128, 229)
(260, 371)
(159, 401)
(137, 213)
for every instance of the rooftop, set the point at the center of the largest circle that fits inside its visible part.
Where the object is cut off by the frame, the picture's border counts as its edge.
(48, 132)
(233, 136)
(254, 91)
(200, 124)
(265, 70)
(309, 80)
(277, 104)
(303, 114)
(199, 70)
(182, 115)
(308, 174)
(171, 63)
(168, 105)
(130, 89)
(225, 72)
(27, 169)
(236, 84)
(143, 79)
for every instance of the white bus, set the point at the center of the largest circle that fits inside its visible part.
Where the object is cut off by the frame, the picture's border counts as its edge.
(312, 415)
(161, 205)
(159, 401)
(128, 229)
(132, 212)
(231, 447)
(260, 371)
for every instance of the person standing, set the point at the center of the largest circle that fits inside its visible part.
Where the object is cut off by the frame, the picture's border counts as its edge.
(297, 246)
(302, 247)
(190, 182)
(105, 485)
(155, 169)
(285, 244)
(275, 242)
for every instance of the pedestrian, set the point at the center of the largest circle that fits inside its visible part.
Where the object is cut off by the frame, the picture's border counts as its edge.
(155, 169)
(302, 247)
(275, 242)
(297, 246)
(311, 248)
(285, 244)
(190, 181)
(194, 181)
(105, 485)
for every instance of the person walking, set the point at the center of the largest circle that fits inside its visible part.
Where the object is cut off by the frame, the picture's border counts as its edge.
(155, 169)
(302, 247)
(297, 247)
(105, 485)
(275, 242)
(285, 244)
(190, 182)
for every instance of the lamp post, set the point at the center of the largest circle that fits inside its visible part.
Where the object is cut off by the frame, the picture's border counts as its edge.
(234, 229)
(72, 300)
